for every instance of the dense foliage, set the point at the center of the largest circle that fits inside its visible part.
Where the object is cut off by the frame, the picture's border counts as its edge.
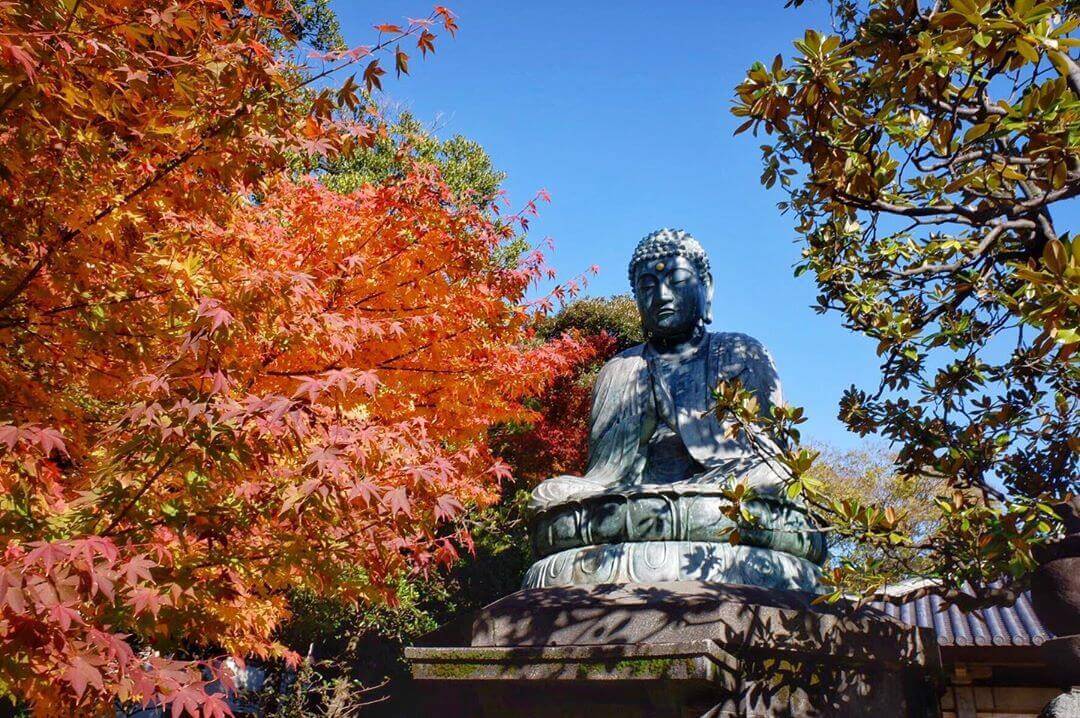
(867, 475)
(355, 649)
(924, 150)
(557, 440)
(360, 647)
(221, 383)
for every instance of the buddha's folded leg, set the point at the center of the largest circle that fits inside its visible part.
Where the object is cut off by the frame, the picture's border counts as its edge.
(755, 474)
(561, 489)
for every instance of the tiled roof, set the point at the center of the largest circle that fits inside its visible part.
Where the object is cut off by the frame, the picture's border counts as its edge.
(1014, 625)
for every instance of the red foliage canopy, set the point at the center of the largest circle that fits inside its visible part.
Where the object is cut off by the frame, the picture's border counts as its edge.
(219, 383)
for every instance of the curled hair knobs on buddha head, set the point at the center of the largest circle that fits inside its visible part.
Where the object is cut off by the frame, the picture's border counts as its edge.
(668, 243)
(671, 243)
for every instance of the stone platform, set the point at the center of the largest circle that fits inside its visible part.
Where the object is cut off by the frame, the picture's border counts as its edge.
(676, 649)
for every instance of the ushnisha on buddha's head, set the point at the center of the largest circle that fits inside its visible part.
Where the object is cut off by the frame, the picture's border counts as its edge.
(669, 274)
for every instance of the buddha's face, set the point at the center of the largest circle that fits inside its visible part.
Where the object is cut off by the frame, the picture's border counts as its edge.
(671, 296)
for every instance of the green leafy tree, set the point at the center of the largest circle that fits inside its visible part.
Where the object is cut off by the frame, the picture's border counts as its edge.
(463, 163)
(867, 475)
(315, 24)
(924, 150)
(615, 316)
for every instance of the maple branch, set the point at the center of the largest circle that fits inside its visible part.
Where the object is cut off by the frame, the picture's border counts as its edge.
(126, 300)
(392, 310)
(385, 363)
(379, 47)
(302, 372)
(424, 369)
(405, 282)
(145, 487)
(179, 160)
(68, 235)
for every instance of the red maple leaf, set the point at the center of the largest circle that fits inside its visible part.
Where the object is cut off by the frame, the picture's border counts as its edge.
(80, 673)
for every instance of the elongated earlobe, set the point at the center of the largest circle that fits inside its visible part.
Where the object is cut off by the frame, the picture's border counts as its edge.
(707, 309)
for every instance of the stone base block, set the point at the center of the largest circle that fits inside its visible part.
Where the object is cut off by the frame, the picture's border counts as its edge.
(1062, 657)
(677, 650)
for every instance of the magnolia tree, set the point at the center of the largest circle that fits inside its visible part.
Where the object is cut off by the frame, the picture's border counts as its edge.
(925, 150)
(220, 382)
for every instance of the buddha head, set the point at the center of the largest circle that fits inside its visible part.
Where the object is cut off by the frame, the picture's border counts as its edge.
(669, 274)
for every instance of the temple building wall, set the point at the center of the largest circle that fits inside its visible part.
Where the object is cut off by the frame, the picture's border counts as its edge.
(995, 701)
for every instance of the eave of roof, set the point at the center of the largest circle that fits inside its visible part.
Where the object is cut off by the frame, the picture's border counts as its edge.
(997, 626)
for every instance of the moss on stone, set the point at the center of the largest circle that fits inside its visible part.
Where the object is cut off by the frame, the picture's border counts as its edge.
(657, 667)
(472, 662)
(453, 669)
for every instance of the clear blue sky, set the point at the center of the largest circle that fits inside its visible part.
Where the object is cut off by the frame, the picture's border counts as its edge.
(621, 110)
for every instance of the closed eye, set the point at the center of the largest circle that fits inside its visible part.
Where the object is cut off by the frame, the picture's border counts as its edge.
(681, 276)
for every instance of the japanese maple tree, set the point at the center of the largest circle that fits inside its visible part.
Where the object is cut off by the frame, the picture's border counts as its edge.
(220, 381)
(556, 441)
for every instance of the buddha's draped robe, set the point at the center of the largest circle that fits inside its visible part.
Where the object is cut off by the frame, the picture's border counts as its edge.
(653, 424)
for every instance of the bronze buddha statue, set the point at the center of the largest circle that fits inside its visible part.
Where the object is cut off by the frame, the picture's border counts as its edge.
(649, 505)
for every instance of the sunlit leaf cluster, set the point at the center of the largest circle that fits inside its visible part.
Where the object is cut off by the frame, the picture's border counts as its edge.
(924, 149)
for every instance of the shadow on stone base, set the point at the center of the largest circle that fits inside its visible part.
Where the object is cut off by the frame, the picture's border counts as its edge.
(676, 649)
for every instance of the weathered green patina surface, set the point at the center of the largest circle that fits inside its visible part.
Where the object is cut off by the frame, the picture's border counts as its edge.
(650, 506)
